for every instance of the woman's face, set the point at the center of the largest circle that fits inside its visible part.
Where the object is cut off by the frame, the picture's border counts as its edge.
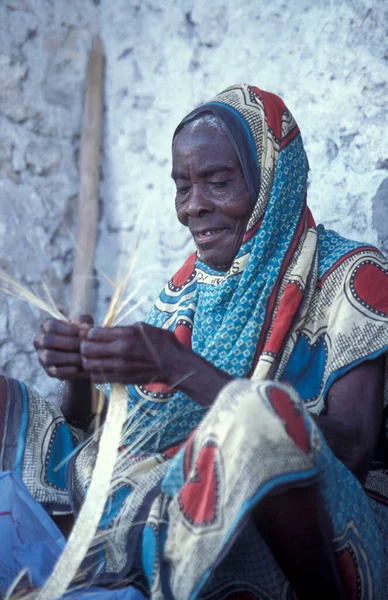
(212, 198)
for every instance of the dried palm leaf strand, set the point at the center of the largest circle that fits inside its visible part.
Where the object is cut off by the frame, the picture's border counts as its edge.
(18, 290)
(93, 507)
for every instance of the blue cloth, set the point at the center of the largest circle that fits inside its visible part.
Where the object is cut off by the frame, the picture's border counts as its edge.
(30, 540)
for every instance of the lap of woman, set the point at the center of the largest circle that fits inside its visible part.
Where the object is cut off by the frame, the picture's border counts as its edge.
(183, 518)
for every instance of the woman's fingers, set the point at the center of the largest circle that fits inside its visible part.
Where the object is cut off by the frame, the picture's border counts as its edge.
(57, 342)
(54, 326)
(58, 347)
(64, 372)
(114, 377)
(129, 354)
(83, 319)
(116, 342)
(107, 334)
(114, 370)
(100, 350)
(50, 358)
(57, 335)
(83, 330)
(118, 364)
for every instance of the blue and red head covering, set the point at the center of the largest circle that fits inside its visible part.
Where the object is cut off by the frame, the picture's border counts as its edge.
(258, 125)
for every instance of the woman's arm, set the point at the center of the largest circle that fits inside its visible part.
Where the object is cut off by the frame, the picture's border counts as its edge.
(352, 422)
(77, 403)
(196, 377)
(143, 354)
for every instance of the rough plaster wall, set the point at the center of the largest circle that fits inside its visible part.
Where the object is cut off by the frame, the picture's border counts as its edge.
(43, 53)
(329, 61)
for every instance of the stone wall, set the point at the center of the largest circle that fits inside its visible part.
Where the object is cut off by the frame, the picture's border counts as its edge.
(43, 54)
(328, 60)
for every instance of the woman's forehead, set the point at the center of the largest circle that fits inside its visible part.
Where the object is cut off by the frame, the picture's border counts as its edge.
(223, 113)
(200, 134)
(203, 145)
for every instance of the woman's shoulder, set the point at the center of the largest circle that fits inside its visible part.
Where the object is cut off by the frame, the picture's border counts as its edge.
(336, 251)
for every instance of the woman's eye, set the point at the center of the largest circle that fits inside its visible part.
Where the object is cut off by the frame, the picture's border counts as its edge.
(219, 184)
(184, 189)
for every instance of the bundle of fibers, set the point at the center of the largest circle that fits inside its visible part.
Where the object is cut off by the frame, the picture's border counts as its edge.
(92, 509)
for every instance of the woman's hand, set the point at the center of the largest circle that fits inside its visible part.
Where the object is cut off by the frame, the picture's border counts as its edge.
(57, 344)
(142, 354)
(58, 347)
(139, 354)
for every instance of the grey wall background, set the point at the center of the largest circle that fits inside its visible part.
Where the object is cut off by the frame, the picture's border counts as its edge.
(327, 59)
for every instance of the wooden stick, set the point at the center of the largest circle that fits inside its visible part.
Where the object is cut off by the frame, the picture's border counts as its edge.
(88, 201)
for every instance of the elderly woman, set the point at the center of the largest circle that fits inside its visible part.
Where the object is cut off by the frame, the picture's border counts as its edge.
(255, 388)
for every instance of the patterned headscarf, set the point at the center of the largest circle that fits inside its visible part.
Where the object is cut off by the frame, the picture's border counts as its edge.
(274, 314)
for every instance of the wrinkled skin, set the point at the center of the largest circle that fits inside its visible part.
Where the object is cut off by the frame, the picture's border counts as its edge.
(57, 344)
(212, 198)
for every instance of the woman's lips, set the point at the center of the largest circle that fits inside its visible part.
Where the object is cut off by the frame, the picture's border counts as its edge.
(208, 236)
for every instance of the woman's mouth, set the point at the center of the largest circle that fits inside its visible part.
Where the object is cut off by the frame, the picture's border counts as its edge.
(208, 235)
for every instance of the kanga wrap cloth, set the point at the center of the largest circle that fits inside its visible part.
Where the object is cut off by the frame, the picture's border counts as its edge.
(177, 524)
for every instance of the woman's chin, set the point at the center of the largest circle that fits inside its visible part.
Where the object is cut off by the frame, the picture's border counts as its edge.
(218, 253)
(215, 260)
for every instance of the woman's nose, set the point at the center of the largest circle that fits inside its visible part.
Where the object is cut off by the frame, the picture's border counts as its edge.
(198, 203)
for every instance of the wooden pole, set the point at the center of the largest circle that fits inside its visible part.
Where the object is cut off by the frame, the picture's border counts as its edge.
(88, 200)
